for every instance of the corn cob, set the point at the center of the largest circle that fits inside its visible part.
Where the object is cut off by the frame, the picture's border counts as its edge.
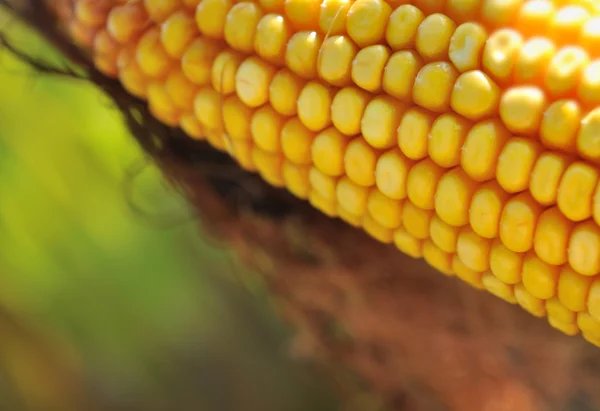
(466, 132)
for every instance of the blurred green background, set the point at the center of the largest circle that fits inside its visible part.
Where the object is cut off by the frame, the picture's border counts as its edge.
(93, 294)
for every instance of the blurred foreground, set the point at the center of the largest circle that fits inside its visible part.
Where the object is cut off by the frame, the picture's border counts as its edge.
(110, 296)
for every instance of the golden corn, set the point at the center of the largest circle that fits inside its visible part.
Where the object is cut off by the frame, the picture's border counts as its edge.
(466, 132)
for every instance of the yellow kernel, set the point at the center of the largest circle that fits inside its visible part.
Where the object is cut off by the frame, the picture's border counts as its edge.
(486, 208)
(327, 207)
(593, 302)
(360, 161)
(588, 89)
(584, 248)
(552, 236)
(177, 33)
(160, 10)
(376, 231)
(252, 81)
(271, 38)
(453, 197)
(352, 197)
(296, 179)
(518, 222)
(573, 289)
(498, 288)
(353, 220)
(443, 235)
(151, 56)
(473, 250)
(528, 302)
(335, 60)
(368, 66)
(534, 16)
(269, 166)
(569, 329)
(402, 27)
(505, 264)
(328, 151)
(380, 121)
(236, 118)
(400, 73)
(501, 53)
(366, 21)
(433, 86)
(274, 6)
(516, 162)
(589, 37)
(303, 14)
(241, 24)
(241, 150)
(422, 183)
(430, 6)
(314, 105)
(198, 58)
(218, 140)
(533, 60)
(463, 272)
(191, 126)
(567, 22)
(391, 173)
(413, 133)
(500, 12)
(161, 105)
(284, 90)
(437, 258)
(482, 149)
(560, 125)
(211, 16)
(126, 22)
(576, 191)
(539, 277)
(332, 19)
(590, 327)
(588, 137)
(546, 176)
(347, 109)
(296, 141)
(265, 127)
(522, 109)
(466, 46)
(433, 37)
(416, 221)
(446, 138)
(180, 89)
(463, 9)
(322, 184)
(302, 53)
(130, 74)
(207, 108)
(565, 69)
(224, 70)
(559, 312)
(408, 244)
(385, 211)
(475, 95)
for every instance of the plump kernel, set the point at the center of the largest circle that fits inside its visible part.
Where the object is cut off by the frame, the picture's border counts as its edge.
(332, 19)
(380, 121)
(546, 176)
(180, 89)
(127, 21)
(391, 173)
(422, 183)
(584, 248)
(475, 95)
(322, 183)
(446, 138)
(559, 312)
(241, 25)
(295, 178)
(269, 166)
(516, 162)
(224, 70)
(466, 46)
(473, 250)
(384, 210)
(576, 190)
(453, 197)
(552, 236)
(560, 125)
(284, 90)
(366, 21)
(335, 60)
(360, 161)
(569, 329)
(400, 73)
(207, 108)
(522, 109)
(539, 277)
(236, 118)
(413, 133)
(302, 53)
(498, 288)
(271, 38)
(433, 86)
(328, 151)
(443, 235)
(404, 22)
(160, 10)
(501, 53)
(438, 259)
(573, 289)
(588, 90)
(505, 264)
(327, 207)
(588, 137)
(482, 149)
(177, 33)
(533, 60)
(191, 126)
(433, 37)
(211, 16)
(416, 221)
(518, 222)
(252, 81)
(347, 109)
(151, 56)
(377, 231)
(314, 105)
(562, 76)
(486, 208)
(197, 60)
(296, 141)
(352, 197)
(567, 22)
(303, 14)
(368, 67)
(265, 128)
(408, 244)
(533, 305)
